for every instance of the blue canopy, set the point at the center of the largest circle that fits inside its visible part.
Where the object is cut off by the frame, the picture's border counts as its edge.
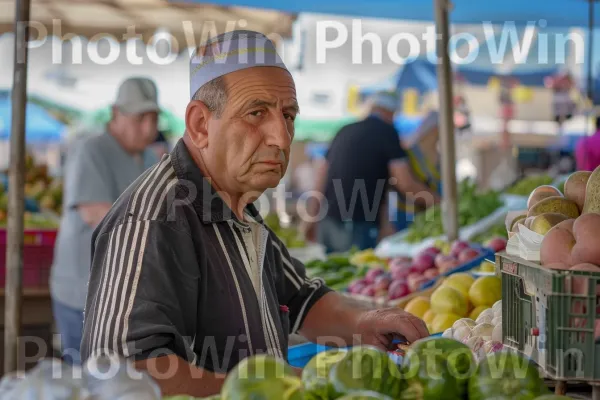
(556, 13)
(40, 125)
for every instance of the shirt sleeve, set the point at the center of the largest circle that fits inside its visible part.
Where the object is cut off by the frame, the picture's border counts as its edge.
(142, 295)
(391, 147)
(88, 177)
(299, 292)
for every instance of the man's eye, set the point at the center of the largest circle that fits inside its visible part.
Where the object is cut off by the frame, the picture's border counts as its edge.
(291, 117)
(257, 113)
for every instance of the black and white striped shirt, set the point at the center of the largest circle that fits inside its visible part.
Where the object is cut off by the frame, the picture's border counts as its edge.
(175, 272)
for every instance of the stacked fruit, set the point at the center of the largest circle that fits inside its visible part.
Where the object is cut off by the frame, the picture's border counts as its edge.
(404, 275)
(459, 296)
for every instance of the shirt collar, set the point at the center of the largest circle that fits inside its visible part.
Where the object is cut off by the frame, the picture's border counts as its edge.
(207, 202)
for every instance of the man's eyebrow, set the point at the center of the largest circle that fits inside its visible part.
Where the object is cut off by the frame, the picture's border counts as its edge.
(263, 103)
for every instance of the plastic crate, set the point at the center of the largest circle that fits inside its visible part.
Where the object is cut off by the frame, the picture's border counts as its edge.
(549, 320)
(38, 252)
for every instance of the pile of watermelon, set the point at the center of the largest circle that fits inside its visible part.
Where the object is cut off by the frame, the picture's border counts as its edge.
(433, 368)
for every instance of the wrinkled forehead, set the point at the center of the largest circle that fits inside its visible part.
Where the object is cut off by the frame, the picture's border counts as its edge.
(265, 84)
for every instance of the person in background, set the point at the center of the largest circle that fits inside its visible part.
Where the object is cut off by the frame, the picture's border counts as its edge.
(160, 147)
(587, 150)
(98, 169)
(363, 159)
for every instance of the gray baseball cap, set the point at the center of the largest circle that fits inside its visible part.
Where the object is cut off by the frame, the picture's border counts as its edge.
(137, 95)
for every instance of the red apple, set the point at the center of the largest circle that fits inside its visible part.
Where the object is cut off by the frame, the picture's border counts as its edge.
(415, 283)
(369, 291)
(423, 262)
(467, 255)
(356, 286)
(400, 263)
(398, 274)
(457, 247)
(431, 273)
(448, 264)
(443, 259)
(382, 282)
(496, 244)
(432, 250)
(397, 290)
(373, 273)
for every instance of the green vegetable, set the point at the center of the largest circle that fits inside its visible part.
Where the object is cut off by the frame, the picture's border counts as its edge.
(525, 186)
(315, 374)
(472, 207)
(437, 368)
(262, 377)
(506, 376)
(365, 368)
(365, 395)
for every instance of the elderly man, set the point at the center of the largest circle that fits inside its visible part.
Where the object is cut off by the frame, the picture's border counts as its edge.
(364, 158)
(186, 278)
(98, 169)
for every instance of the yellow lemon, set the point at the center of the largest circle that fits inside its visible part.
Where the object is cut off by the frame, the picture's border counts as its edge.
(487, 266)
(485, 291)
(457, 285)
(428, 317)
(462, 278)
(476, 311)
(443, 321)
(449, 300)
(418, 306)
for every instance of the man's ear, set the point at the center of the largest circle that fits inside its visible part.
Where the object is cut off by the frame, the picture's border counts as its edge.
(196, 123)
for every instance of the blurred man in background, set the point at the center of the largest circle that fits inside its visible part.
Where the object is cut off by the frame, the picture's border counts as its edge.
(98, 169)
(354, 179)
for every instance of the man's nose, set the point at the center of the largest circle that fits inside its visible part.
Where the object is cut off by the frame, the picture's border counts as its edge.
(277, 133)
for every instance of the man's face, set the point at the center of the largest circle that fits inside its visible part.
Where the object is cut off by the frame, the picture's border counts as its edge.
(248, 147)
(138, 131)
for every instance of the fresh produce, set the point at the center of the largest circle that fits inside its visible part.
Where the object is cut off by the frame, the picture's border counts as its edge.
(402, 276)
(365, 395)
(338, 272)
(437, 368)
(544, 222)
(485, 291)
(418, 306)
(541, 193)
(473, 206)
(558, 244)
(526, 185)
(366, 368)
(506, 376)
(262, 377)
(554, 204)
(592, 193)
(315, 375)
(449, 300)
(575, 186)
(290, 236)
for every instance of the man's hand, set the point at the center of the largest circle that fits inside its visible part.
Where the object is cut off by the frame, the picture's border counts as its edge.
(380, 327)
(335, 317)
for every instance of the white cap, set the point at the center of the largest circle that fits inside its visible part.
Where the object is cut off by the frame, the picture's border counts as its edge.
(230, 52)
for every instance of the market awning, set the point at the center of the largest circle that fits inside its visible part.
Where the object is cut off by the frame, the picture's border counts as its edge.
(94, 19)
(556, 13)
(40, 125)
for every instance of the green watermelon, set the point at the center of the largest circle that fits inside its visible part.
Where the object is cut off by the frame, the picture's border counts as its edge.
(365, 395)
(437, 368)
(365, 368)
(506, 376)
(316, 373)
(262, 377)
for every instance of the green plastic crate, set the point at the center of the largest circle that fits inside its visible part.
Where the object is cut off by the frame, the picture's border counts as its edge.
(550, 315)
